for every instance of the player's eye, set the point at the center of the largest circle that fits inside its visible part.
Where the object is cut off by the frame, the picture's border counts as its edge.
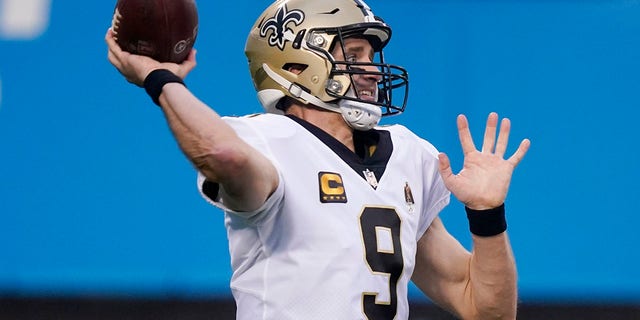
(351, 58)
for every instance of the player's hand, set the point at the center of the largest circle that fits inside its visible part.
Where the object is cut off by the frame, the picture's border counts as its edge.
(135, 68)
(484, 179)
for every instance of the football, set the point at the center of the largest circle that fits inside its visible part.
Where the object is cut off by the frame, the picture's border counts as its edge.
(164, 30)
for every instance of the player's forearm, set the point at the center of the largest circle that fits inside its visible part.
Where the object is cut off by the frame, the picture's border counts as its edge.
(200, 132)
(493, 278)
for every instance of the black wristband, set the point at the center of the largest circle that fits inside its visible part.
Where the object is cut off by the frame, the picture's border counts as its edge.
(156, 80)
(487, 223)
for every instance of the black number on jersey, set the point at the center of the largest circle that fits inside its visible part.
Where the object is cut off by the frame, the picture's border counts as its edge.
(375, 222)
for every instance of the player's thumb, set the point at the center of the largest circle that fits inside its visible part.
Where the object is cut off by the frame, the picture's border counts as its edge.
(444, 165)
(190, 62)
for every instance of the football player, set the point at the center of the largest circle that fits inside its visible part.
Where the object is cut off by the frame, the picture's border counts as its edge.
(330, 215)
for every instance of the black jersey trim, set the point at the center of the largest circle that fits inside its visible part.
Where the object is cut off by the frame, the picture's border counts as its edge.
(360, 160)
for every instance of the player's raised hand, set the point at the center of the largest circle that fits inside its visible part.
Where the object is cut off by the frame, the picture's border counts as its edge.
(484, 179)
(135, 68)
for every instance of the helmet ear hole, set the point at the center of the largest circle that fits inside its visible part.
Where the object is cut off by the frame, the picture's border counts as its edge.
(296, 68)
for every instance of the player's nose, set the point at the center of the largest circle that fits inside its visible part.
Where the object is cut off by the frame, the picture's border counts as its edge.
(372, 73)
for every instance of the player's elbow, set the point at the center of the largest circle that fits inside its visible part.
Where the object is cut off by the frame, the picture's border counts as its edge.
(221, 162)
(495, 314)
(496, 308)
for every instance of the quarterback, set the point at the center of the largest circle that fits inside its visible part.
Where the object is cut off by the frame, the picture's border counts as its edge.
(330, 215)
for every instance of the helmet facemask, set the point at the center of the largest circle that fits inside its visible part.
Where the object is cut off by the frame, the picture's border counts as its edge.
(356, 104)
(391, 78)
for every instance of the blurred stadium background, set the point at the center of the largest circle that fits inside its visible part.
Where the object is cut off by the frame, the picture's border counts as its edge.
(100, 217)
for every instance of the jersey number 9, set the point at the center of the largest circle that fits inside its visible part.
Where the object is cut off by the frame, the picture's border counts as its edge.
(380, 227)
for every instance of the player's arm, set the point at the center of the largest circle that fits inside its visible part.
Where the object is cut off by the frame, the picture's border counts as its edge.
(481, 284)
(477, 285)
(246, 176)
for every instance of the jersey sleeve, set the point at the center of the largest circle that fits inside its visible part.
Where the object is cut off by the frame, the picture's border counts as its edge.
(210, 191)
(435, 193)
(273, 202)
(438, 197)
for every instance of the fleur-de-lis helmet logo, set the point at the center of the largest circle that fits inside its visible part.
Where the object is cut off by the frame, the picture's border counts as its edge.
(278, 24)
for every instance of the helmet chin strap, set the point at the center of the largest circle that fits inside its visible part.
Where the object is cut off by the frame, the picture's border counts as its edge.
(297, 92)
(358, 115)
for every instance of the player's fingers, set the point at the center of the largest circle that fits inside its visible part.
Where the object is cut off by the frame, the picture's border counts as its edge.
(465, 135)
(114, 60)
(114, 48)
(503, 137)
(192, 56)
(118, 58)
(490, 133)
(114, 53)
(519, 154)
(109, 39)
(444, 166)
(190, 63)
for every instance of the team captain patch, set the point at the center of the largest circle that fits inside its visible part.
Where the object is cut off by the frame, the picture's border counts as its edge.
(331, 188)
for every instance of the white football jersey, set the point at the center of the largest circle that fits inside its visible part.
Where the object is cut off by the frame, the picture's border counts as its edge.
(337, 239)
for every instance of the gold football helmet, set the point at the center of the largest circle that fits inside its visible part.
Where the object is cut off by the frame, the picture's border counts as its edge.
(302, 34)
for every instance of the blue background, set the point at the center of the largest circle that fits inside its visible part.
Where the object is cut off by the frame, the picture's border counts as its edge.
(96, 199)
